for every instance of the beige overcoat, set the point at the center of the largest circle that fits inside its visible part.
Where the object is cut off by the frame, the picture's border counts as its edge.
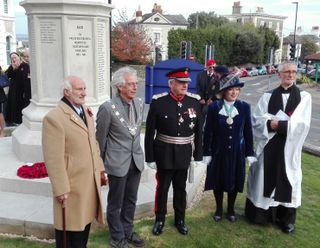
(73, 161)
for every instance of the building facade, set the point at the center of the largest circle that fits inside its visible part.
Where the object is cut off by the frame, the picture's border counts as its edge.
(7, 31)
(157, 26)
(260, 19)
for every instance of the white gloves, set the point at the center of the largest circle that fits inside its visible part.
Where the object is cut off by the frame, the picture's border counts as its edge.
(251, 160)
(207, 159)
(152, 165)
(197, 163)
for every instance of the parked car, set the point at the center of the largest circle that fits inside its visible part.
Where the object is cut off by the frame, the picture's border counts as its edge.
(242, 72)
(271, 69)
(252, 71)
(262, 70)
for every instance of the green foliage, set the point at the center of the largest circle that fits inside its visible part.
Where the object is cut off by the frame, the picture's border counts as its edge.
(270, 39)
(203, 20)
(234, 43)
(304, 79)
(308, 47)
(205, 233)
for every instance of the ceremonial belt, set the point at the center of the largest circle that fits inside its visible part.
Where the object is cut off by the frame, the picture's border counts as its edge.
(175, 140)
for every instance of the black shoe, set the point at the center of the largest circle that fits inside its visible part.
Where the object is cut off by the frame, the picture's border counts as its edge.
(119, 243)
(288, 229)
(157, 227)
(217, 218)
(232, 217)
(135, 240)
(181, 227)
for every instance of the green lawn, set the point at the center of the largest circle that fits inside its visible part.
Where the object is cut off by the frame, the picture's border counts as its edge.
(205, 233)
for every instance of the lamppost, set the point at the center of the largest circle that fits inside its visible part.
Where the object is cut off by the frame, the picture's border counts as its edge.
(295, 25)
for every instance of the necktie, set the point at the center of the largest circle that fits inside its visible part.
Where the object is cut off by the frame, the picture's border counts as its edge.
(82, 115)
(132, 118)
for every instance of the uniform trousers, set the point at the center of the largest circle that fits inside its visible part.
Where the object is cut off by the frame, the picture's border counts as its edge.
(75, 239)
(164, 178)
(122, 198)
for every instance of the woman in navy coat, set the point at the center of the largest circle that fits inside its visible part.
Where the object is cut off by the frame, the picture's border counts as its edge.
(227, 142)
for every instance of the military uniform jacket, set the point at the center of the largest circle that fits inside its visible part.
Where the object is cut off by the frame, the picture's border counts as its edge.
(169, 117)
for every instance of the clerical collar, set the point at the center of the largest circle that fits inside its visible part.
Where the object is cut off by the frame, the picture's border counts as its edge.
(176, 98)
(286, 89)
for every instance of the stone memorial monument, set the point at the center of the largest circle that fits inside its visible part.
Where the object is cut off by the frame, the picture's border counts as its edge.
(66, 37)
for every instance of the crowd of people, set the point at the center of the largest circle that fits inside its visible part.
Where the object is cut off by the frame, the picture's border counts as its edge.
(16, 94)
(213, 128)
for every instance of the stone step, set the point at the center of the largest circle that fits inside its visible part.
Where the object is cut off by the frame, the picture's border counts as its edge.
(26, 204)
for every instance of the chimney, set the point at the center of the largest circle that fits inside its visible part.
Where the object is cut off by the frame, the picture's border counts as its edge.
(157, 9)
(236, 8)
(259, 10)
(139, 14)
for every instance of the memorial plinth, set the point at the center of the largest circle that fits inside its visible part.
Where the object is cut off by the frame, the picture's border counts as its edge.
(66, 37)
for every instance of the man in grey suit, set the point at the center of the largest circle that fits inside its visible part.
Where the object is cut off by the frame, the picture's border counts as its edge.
(118, 133)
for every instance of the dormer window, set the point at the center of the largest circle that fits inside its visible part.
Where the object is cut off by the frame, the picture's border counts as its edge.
(156, 19)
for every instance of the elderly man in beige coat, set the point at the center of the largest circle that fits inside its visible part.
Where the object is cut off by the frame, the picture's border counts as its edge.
(72, 158)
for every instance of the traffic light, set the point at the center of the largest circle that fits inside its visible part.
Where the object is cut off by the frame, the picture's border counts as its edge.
(183, 49)
(158, 55)
(292, 51)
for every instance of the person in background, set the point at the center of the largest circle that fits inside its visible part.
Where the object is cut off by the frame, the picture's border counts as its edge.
(173, 135)
(72, 158)
(19, 90)
(26, 56)
(3, 99)
(207, 86)
(118, 133)
(227, 142)
(281, 121)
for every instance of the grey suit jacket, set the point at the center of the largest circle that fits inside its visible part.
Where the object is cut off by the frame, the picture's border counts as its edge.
(117, 145)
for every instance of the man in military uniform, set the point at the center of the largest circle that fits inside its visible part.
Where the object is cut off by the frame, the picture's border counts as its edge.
(173, 135)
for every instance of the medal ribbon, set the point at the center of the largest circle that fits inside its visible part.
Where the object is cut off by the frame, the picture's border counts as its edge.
(228, 110)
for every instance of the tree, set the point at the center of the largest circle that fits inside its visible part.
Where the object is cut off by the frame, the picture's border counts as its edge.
(247, 48)
(129, 42)
(308, 47)
(270, 39)
(203, 19)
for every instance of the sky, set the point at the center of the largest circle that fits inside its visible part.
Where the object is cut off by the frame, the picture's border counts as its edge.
(308, 10)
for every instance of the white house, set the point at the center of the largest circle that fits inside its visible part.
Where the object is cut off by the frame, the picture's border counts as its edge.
(7, 31)
(260, 19)
(157, 26)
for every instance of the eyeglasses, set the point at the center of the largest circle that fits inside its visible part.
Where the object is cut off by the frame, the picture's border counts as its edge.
(131, 84)
(289, 72)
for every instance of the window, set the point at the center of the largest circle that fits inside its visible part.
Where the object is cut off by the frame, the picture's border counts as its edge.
(261, 23)
(8, 49)
(270, 25)
(5, 6)
(156, 38)
(156, 19)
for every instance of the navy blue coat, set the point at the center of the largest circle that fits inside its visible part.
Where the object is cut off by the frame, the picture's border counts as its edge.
(228, 145)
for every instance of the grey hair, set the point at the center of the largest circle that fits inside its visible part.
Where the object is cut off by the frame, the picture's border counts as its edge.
(286, 64)
(118, 78)
(170, 80)
(66, 85)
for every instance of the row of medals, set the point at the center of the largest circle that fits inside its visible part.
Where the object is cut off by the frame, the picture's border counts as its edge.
(181, 120)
